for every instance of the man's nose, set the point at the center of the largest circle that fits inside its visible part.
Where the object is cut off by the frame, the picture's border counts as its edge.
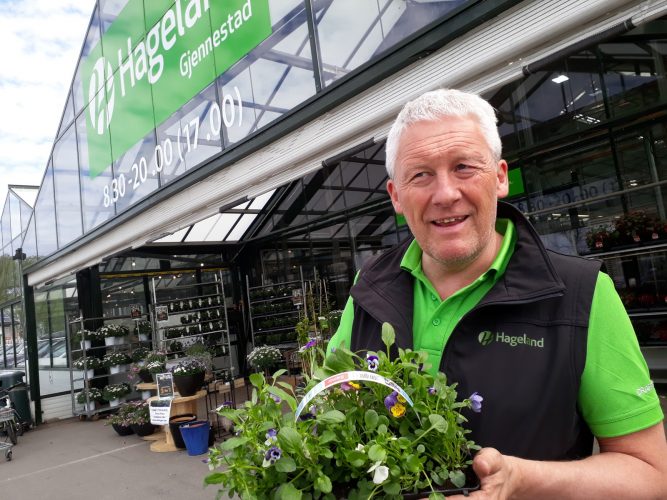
(447, 191)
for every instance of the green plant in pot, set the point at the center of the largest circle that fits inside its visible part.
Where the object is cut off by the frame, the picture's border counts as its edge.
(265, 357)
(368, 427)
(143, 330)
(84, 338)
(113, 334)
(188, 376)
(115, 360)
(87, 364)
(139, 354)
(88, 397)
(121, 421)
(114, 392)
(139, 418)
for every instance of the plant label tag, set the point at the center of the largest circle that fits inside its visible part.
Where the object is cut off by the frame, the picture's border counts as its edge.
(165, 385)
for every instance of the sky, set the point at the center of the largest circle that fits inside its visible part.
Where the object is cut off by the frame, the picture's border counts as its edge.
(40, 42)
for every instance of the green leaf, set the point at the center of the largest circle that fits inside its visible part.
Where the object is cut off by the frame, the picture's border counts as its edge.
(327, 436)
(388, 334)
(371, 419)
(412, 463)
(323, 483)
(215, 478)
(331, 417)
(279, 373)
(458, 478)
(421, 448)
(377, 453)
(436, 496)
(257, 379)
(355, 458)
(339, 361)
(285, 385)
(285, 464)
(276, 391)
(392, 488)
(234, 442)
(287, 491)
(289, 439)
(438, 422)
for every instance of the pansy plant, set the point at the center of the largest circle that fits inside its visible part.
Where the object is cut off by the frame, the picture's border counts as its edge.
(359, 438)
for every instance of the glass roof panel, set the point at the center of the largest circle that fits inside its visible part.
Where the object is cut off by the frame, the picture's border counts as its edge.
(201, 230)
(241, 227)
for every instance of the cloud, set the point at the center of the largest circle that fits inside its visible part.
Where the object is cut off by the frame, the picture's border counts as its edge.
(41, 42)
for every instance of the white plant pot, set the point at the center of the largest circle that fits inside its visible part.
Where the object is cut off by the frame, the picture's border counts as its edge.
(85, 344)
(114, 369)
(90, 373)
(143, 337)
(89, 407)
(114, 402)
(109, 341)
(145, 394)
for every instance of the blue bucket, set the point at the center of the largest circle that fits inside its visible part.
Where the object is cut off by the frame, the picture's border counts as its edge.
(195, 434)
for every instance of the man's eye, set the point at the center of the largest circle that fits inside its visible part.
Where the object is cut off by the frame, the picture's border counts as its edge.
(463, 167)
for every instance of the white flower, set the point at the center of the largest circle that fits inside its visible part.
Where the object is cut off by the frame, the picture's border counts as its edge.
(360, 447)
(381, 473)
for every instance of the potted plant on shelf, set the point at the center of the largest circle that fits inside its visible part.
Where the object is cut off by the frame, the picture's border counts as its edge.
(143, 330)
(114, 392)
(139, 354)
(87, 365)
(121, 420)
(265, 357)
(368, 427)
(155, 362)
(116, 361)
(84, 338)
(88, 397)
(139, 418)
(139, 371)
(113, 334)
(189, 376)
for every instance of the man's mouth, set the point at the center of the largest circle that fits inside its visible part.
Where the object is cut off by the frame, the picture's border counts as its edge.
(449, 221)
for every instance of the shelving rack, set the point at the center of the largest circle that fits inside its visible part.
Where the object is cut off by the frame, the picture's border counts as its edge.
(274, 309)
(192, 312)
(127, 347)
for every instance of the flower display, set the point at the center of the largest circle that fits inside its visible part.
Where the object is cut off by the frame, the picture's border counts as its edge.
(92, 393)
(115, 391)
(375, 427)
(189, 367)
(87, 363)
(116, 358)
(112, 330)
(264, 357)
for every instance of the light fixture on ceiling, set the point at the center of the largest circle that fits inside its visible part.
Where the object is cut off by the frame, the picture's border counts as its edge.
(560, 79)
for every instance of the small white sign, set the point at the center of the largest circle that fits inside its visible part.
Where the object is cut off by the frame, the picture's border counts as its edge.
(159, 410)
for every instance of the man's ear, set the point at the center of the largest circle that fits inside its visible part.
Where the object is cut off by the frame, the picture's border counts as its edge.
(393, 194)
(503, 188)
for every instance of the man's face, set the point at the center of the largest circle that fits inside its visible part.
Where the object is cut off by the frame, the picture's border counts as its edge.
(446, 184)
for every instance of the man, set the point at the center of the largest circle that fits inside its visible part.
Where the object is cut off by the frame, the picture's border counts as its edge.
(543, 337)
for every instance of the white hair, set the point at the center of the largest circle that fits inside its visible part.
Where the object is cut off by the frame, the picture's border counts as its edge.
(439, 104)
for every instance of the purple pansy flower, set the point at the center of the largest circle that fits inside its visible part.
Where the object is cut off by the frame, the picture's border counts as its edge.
(373, 362)
(272, 455)
(311, 343)
(391, 400)
(476, 402)
(432, 391)
(345, 386)
(276, 398)
(271, 437)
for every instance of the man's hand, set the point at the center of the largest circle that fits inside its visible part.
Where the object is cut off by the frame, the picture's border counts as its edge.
(496, 474)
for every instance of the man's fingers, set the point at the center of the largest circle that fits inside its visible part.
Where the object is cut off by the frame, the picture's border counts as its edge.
(487, 462)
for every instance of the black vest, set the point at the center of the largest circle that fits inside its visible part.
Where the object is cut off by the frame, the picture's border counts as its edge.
(522, 348)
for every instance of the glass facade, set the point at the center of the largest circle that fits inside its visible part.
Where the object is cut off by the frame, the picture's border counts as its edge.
(96, 173)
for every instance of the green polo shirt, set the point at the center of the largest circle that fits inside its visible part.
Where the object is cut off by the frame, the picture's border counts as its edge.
(613, 401)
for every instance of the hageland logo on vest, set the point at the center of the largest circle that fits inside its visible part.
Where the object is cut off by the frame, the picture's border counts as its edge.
(487, 337)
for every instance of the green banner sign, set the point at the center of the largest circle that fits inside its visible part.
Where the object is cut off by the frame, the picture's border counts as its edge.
(153, 60)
